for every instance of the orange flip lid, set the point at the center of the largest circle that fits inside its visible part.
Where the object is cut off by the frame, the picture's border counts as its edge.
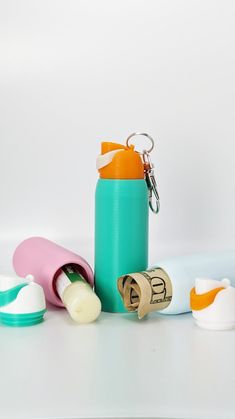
(123, 164)
(201, 301)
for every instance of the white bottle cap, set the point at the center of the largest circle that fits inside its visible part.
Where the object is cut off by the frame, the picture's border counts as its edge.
(213, 304)
(22, 301)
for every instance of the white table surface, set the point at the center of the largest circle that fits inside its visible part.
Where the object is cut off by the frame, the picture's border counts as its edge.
(118, 367)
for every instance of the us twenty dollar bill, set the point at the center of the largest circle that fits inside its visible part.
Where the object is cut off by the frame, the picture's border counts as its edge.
(145, 291)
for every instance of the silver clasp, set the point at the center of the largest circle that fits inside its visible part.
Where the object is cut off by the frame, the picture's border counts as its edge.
(151, 182)
(149, 172)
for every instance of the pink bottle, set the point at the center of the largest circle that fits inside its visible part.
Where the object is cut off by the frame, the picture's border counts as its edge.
(44, 259)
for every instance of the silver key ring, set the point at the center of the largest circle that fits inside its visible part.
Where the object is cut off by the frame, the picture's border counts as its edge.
(145, 135)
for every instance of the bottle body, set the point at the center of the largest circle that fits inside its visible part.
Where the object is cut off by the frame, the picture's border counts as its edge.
(121, 236)
(42, 258)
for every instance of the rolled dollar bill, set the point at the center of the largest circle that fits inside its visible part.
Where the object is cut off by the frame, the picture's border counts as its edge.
(145, 291)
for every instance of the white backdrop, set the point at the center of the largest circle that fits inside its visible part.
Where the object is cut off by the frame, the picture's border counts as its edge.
(73, 73)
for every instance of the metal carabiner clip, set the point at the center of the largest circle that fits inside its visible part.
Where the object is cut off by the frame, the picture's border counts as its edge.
(149, 172)
(151, 182)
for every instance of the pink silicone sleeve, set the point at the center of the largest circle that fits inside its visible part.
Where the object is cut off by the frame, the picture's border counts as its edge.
(43, 258)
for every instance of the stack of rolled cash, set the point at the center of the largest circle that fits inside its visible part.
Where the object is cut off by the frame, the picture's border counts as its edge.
(145, 291)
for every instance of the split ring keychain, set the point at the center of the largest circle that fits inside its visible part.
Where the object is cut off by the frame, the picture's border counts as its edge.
(149, 172)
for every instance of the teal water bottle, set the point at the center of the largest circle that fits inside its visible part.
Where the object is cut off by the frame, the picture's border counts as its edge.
(121, 218)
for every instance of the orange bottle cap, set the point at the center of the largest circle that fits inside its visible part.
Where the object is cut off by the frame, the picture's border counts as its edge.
(119, 162)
